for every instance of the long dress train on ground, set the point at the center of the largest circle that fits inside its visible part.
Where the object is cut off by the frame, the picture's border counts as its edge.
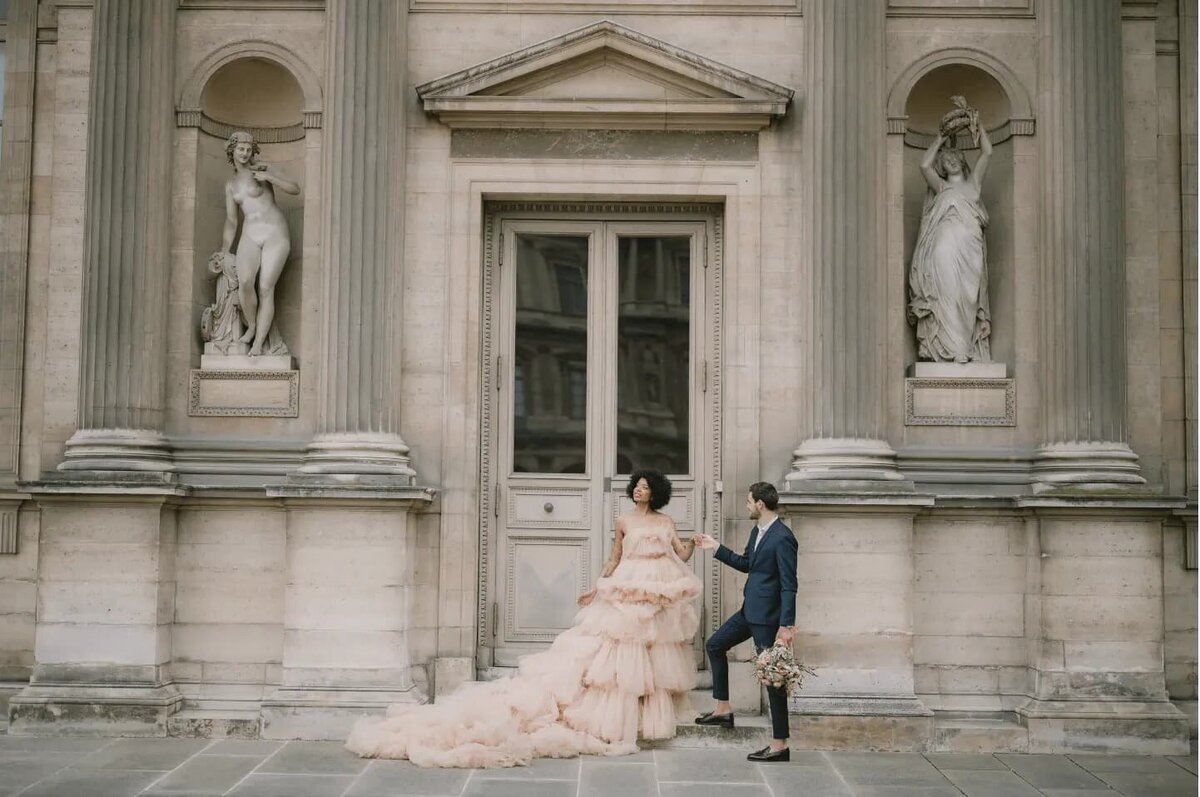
(623, 669)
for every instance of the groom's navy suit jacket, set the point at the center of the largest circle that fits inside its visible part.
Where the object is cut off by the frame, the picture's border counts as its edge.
(769, 597)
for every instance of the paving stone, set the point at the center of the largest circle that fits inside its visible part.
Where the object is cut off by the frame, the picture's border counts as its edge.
(802, 781)
(21, 769)
(989, 783)
(161, 755)
(713, 790)
(52, 744)
(247, 747)
(317, 758)
(538, 769)
(1078, 792)
(640, 757)
(960, 761)
(257, 785)
(1141, 784)
(908, 790)
(628, 780)
(867, 770)
(206, 775)
(402, 779)
(481, 786)
(94, 783)
(1188, 762)
(707, 766)
(1050, 771)
(1097, 763)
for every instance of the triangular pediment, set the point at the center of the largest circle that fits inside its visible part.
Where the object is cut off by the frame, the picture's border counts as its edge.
(604, 76)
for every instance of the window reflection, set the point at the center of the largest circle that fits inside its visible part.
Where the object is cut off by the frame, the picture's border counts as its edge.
(550, 369)
(653, 353)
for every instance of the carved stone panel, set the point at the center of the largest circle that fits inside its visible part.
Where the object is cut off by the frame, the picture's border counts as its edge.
(267, 394)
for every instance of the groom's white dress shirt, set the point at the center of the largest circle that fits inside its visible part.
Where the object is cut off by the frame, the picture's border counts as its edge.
(762, 533)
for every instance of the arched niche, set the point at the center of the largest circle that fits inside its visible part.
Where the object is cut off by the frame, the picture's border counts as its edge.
(915, 107)
(259, 94)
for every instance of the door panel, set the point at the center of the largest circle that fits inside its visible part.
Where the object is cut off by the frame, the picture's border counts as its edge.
(607, 326)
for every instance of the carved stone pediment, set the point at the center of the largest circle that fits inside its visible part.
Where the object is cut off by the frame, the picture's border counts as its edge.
(604, 76)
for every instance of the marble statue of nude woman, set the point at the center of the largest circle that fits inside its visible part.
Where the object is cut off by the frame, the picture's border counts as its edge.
(263, 247)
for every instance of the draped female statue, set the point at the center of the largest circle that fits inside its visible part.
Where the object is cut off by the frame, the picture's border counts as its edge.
(948, 279)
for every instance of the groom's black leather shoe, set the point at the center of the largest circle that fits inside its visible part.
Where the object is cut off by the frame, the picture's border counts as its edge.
(766, 754)
(720, 720)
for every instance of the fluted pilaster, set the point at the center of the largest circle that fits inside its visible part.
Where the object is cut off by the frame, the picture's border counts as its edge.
(363, 242)
(844, 129)
(125, 246)
(1083, 246)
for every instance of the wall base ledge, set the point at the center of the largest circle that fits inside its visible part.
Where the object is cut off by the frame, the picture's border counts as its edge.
(80, 710)
(326, 714)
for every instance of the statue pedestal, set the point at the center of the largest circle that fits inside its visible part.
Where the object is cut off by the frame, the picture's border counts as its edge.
(959, 394)
(239, 385)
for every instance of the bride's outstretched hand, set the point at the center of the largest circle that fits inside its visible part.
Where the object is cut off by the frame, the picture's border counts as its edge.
(587, 597)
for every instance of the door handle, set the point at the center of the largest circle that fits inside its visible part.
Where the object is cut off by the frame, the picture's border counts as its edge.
(548, 507)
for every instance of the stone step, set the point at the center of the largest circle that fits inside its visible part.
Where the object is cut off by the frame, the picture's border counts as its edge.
(999, 732)
(215, 724)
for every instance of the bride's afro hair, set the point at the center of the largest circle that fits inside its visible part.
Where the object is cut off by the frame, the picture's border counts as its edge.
(660, 486)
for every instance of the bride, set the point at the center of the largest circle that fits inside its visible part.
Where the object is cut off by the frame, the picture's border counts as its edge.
(622, 670)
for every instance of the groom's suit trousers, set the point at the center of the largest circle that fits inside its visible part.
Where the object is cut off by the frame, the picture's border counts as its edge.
(735, 631)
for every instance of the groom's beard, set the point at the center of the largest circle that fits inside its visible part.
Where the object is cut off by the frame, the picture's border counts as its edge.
(755, 515)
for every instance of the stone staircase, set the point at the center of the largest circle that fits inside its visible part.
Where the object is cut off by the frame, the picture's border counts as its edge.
(952, 732)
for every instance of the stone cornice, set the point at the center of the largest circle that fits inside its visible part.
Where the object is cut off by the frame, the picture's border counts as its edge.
(709, 95)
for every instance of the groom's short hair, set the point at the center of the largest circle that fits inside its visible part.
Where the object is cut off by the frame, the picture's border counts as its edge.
(765, 492)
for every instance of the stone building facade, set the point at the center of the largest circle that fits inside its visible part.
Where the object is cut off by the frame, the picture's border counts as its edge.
(539, 243)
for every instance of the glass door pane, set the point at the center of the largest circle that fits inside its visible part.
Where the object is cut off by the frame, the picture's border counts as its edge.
(550, 350)
(653, 353)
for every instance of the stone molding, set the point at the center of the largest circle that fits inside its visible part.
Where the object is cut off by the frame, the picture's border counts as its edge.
(713, 96)
(1020, 100)
(913, 384)
(10, 530)
(192, 87)
(1019, 9)
(783, 8)
(198, 407)
(918, 139)
(262, 135)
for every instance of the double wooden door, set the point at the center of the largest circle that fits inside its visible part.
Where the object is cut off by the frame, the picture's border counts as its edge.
(603, 344)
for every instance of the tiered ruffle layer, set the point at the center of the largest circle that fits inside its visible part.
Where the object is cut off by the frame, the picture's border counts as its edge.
(623, 670)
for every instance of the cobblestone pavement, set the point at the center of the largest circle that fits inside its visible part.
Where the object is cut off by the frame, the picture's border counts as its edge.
(74, 767)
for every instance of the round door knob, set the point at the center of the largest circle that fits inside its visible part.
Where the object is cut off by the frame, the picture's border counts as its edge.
(549, 507)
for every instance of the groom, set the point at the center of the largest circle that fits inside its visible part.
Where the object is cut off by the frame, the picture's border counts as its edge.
(768, 613)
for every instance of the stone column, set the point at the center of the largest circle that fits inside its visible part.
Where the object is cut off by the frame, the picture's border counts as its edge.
(125, 247)
(106, 552)
(1083, 248)
(362, 245)
(844, 137)
(350, 561)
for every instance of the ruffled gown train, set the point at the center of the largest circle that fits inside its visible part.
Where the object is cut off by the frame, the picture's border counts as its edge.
(623, 670)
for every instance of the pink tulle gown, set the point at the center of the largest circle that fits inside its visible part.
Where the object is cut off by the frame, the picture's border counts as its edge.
(623, 670)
